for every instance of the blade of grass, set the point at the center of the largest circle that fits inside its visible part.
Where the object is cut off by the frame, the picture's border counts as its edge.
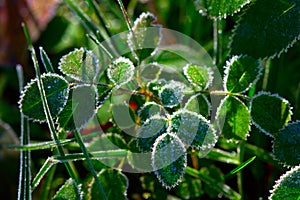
(24, 188)
(48, 144)
(43, 170)
(46, 61)
(49, 118)
(48, 164)
(239, 168)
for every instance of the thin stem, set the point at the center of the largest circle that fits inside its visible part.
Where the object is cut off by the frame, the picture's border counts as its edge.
(241, 152)
(24, 191)
(267, 65)
(90, 164)
(128, 23)
(49, 118)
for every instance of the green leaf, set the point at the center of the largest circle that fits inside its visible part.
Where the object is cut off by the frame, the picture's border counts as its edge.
(145, 36)
(150, 131)
(114, 183)
(267, 28)
(69, 191)
(150, 72)
(287, 187)
(80, 65)
(198, 103)
(56, 91)
(171, 94)
(219, 8)
(233, 118)
(286, 147)
(80, 108)
(169, 159)
(269, 112)
(150, 109)
(241, 72)
(199, 76)
(193, 130)
(121, 71)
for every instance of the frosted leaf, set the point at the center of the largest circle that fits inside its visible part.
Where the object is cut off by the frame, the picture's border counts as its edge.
(69, 190)
(193, 130)
(150, 109)
(150, 72)
(171, 94)
(121, 71)
(150, 131)
(287, 187)
(80, 65)
(270, 112)
(56, 91)
(169, 159)
(286, 146)
(241, 72)
(80, 108)
(267, 29)
(145, 36)
(236, 117)
(219, 8)
(199, 76)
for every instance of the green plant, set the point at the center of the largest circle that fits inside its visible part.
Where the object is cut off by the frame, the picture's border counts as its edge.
(180, 123)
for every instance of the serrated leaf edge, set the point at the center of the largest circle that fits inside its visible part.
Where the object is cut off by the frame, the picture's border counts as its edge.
(119, 60)
(218, 113)
(135, 24)
(210, 74)
(146, 104)
(227, 70)
(171, 85)
(273, 95)
(95, 110)
(273, 143)
(205, 147)
(78, 188)
(63, 59)
(278, 54)
(224, 16)
(282, 178)
(160, 69)
(153, 161)
(33, 81)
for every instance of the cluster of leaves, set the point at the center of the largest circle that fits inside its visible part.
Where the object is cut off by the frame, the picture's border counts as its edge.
(174, 118)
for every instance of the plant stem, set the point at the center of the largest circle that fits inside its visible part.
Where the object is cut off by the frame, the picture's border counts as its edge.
(267, 65)
(49, 118)
(217, 32)
(90, 164)
(240, 151)
(128, 23)
(24, 189)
